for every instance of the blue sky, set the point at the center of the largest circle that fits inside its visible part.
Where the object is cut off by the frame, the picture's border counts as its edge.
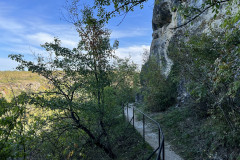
(25, 24)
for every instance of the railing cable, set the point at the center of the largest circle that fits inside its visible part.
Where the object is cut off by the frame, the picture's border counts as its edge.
(160, 149)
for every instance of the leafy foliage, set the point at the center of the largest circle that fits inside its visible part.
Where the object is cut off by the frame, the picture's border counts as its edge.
(84, 98)
(13, 135)
(159, 92)
(191, 12)
(210, 65)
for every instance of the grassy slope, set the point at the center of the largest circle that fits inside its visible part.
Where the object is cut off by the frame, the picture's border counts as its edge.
(17, 81)
(130, 143)
(130, 146)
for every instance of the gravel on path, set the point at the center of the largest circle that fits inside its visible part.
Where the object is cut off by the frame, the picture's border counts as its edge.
(151, 136)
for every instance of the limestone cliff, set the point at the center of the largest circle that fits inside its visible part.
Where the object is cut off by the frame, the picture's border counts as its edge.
(164, 23)
(166, 18)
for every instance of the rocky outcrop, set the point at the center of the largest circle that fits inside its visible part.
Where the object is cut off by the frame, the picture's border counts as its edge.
(162, 15)
(164, 23)
(163, 20)
(166, 18)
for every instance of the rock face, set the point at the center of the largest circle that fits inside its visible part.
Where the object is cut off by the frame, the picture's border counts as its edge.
(162, 18)
(165, 19)
(162, 15)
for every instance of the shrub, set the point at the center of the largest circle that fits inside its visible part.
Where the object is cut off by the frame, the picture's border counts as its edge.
(159, 91)
(210, 64)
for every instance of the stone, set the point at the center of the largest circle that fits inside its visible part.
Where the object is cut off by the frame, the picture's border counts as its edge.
(161, 15)
(164, 19)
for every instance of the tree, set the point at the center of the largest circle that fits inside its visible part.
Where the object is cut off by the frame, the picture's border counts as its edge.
(188, 12)
(159, 92)
(125, 81)
(13, 124)
(79, 78)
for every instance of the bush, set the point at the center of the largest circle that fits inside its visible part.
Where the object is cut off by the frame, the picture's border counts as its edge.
(210, 64)
(159, 92)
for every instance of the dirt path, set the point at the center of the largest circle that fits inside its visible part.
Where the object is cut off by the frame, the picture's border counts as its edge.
(150, 135)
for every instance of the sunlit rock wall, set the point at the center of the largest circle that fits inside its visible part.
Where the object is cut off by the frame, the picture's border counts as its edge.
(165, 18)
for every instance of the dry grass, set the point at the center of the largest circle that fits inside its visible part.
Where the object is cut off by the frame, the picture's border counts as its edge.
(14, 82)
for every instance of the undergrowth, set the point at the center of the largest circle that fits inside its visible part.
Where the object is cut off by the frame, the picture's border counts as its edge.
(195, 138)
(128, 145)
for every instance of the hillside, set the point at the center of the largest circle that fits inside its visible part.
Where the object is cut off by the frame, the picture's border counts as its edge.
(13, 82)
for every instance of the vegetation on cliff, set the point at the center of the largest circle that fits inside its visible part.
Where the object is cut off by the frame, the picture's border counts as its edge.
(207, 66)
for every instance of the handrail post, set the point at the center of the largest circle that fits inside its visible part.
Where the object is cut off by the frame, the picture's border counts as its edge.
(127, 112)
(163, 151)
(143, 127)
(143, 133)
(133, 117)
(123, 111)
(159, 138)
(159, 143)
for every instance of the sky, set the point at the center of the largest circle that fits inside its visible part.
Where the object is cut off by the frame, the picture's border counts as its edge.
(26, 24)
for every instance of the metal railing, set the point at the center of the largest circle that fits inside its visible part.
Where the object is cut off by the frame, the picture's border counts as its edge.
(160, 149)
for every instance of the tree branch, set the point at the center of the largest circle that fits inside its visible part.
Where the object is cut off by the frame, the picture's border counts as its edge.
(200, 13)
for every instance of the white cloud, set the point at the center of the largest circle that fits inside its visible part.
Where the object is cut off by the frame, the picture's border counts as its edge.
(10, 25)
(24, 36)
(39, 38)
(42, 38)
(135, 52)
(69, 43)
(24, 49)
(4, 8)
(7, 64)
(36, 32)
(135, 32)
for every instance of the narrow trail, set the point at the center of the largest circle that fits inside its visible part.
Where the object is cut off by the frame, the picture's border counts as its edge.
(151, 135)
